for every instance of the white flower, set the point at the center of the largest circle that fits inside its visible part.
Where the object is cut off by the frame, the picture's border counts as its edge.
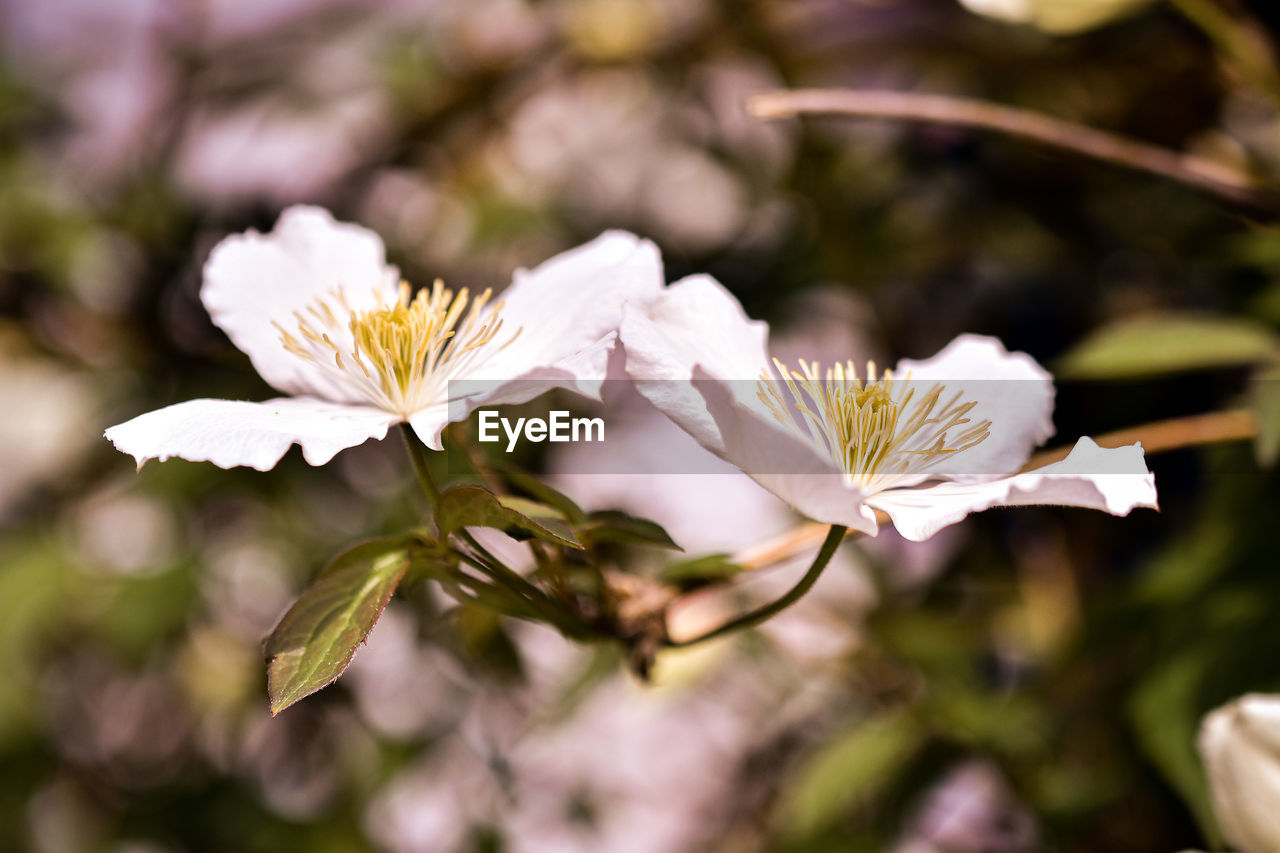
(927, 443)
(1240, 745)
(1060, 17)
(324, 319)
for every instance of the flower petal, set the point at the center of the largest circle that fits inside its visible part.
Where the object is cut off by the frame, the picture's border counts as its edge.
(582, 372)
(429, 423)
(1011, 390)
(567, 311)
(695, 323)
(230, 433)
(1112, 480)
(253, 281)
(569, 303)
(779, 461)
(1240, 745)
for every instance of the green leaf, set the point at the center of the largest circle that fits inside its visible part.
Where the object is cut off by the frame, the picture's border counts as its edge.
(850, 769)
(613, 526)
(1264, 399)
(472, 506)
(540, 491)
(1165, 715)
(316, 639)
(700, 571)
(1168, 343)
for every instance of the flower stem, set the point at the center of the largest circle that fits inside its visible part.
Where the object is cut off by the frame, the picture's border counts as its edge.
(754, 617)
(552, 611)
(419, 456)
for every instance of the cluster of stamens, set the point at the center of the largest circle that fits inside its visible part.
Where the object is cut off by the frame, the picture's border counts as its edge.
(399, 355)
(877, 430)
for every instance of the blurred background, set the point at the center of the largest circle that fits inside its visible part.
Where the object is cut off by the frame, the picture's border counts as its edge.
(1032, 680)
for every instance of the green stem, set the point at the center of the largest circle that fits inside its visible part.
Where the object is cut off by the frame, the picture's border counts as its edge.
(500, 598)
(418, 453)
(550, 610)
(754, 617)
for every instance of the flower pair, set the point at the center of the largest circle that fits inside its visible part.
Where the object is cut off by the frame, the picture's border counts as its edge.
(324, 319)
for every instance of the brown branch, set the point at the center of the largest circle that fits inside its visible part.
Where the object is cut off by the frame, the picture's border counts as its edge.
(1172, 434)
(1208, 175)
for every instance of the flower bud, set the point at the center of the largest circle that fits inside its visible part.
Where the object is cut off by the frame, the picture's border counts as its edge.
(1240, 745)
(1059, 17)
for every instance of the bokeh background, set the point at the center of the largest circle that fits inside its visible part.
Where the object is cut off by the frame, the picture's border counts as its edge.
(1032, 680)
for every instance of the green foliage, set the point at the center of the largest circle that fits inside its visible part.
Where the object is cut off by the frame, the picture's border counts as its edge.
(472, 506)
(1168, 343)
(604, 526)
(541, 491)
(316, 639)
(700, 571)
(1264, 398)
(850, 769)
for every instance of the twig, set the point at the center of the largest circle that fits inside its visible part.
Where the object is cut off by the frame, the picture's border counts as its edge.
(792, 543)
(1172, 434)
(835, 535)
(1208, 175)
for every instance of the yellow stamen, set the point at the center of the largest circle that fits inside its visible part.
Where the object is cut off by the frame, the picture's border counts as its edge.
(403, 351)
(876, 429)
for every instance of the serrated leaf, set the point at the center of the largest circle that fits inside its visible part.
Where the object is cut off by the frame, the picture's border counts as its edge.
(1264, 399)
(316, 639)
(848, 770)
(1168, 343)
(700, 571)
(613, 526)
(472, 506)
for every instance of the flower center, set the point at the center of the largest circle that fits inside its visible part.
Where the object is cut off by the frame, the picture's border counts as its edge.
(400, 355)
(878, 431)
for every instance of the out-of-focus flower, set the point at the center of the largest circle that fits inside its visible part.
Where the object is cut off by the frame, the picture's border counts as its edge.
(1060, 17)
(106, 64)
(970, 810)
(604, 144)
(396, 706)
(45, 441)
(274, 152)
(1240, 746)
(927, 443)
(672, 760)
(322, 317)
(124, 533)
